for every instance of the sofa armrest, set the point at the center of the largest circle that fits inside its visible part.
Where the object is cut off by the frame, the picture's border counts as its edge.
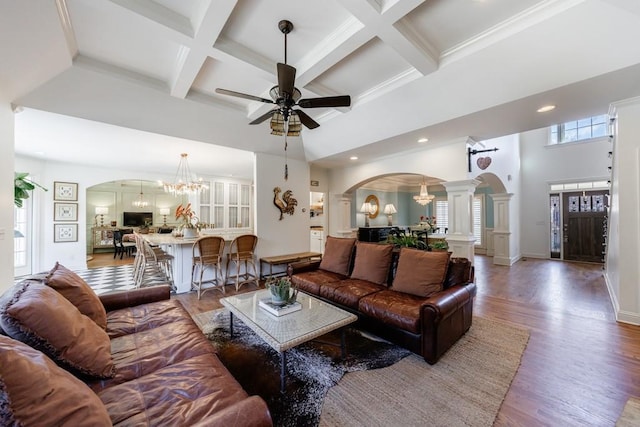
(117, 300)
(302, 266)
(442, 304)
(251, 411)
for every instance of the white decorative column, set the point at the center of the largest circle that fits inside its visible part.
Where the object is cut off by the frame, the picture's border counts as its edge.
(460, 236)
(502, 246)
(342, 221)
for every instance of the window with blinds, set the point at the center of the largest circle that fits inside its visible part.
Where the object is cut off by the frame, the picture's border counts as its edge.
(442, 217)
(478, 220)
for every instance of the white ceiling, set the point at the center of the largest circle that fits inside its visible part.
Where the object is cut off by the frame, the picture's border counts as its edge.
(441, 69)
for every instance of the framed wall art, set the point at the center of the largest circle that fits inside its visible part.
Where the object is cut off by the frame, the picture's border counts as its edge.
(65, 191)
(65, 211)
(65, 233)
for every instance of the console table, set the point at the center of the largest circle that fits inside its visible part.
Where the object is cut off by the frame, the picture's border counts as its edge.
(286, 259)
(373, 234)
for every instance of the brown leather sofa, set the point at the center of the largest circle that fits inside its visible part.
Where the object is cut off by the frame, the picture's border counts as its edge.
(420, 300)
(127, 358)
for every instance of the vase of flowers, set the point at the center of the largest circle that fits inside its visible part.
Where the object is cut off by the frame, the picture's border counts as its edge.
(428, 223)
(188, 221)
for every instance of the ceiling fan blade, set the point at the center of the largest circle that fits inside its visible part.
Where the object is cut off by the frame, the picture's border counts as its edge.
(263, 117)
(306, 119)
(327, 101)
(286, 78)
(243, 95)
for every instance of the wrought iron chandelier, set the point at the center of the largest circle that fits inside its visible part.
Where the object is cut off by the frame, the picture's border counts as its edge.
(140, 202)
(185, 181)
(424, 197)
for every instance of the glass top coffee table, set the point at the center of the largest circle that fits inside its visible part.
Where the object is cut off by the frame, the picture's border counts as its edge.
(315, 319)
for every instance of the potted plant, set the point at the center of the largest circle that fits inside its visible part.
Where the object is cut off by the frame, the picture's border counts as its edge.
(189, 221)
(21, 187)
(407, 241)
(439, 246)
(281, 291)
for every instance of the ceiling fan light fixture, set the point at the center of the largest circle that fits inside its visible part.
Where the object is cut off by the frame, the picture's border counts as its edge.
(278, 125)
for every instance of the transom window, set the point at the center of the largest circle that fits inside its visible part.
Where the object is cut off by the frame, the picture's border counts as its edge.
(579, 130)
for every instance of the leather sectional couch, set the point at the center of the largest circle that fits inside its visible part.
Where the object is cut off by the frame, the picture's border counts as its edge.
(420, 300)
(134, 358)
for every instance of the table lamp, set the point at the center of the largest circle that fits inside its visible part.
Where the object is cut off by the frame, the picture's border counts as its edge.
(102, 211)
(366, 210)
(389, 209)
(164, 212)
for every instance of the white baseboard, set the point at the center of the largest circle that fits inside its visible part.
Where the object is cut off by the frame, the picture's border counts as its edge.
(621, 315)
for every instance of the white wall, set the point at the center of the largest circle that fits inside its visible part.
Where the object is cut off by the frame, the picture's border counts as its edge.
(6, 193)
(542, 165)
(506, 166)
(291, 234)
(623, 258)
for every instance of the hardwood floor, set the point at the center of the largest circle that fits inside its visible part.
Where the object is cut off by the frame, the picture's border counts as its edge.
(580, 365)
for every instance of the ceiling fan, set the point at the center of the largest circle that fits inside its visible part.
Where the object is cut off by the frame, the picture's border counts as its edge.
(285, 96)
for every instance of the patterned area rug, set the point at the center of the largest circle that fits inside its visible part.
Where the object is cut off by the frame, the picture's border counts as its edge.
(312, 368)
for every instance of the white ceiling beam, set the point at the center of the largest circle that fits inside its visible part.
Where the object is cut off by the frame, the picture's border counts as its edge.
(67, 28)
(191, 60)
(159, 14)
(382, 26)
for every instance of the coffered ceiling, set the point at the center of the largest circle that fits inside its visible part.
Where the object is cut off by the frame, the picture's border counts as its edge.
(438, 69)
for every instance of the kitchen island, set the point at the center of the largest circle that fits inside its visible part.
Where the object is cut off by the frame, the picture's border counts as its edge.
(182, 251)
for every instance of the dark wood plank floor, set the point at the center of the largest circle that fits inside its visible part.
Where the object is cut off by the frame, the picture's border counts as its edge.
(580, 366)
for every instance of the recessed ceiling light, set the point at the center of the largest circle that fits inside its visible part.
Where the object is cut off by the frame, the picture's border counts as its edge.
(353, 158)
(423, 140)
(546, 108)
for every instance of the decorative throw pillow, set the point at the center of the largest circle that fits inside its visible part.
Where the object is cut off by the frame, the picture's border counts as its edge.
(37, 315)
(34, 391)
(337, 255)
(421, 273)
(372, 262)
(78, 292)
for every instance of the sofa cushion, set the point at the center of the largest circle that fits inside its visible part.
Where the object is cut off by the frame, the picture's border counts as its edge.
(372, 262)
(394, 308)
(310, 281)
(138, 318)
(179, 394)
(420, 273)
(39, 316)
(34, 390)
(337, 255)
(78, 292)
(348, 292)
(459, 272)
(142, 353)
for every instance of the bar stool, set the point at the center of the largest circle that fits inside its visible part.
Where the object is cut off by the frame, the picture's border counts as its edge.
(207, 252)
(242, 250)
(151, 264)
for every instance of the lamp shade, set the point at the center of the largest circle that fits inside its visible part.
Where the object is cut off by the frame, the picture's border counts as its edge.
(102, 210)
(165, 211)
(366, 208)
(389, 209)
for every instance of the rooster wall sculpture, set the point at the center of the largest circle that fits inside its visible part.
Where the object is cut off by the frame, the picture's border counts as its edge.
(287, 205)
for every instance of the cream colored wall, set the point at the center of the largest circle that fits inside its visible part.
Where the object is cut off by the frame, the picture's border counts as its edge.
(623, 259)
(6, 193)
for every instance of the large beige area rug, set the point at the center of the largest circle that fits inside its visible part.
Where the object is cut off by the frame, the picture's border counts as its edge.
(465, 388)
(630, 416)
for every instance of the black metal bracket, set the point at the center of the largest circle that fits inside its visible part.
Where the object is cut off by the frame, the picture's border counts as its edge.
(471, 152)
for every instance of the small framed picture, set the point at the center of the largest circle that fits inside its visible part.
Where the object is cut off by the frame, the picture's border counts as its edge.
(65, 191)
(65, 233)
(65, 211)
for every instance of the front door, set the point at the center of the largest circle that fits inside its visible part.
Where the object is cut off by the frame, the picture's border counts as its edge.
(584, 216)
